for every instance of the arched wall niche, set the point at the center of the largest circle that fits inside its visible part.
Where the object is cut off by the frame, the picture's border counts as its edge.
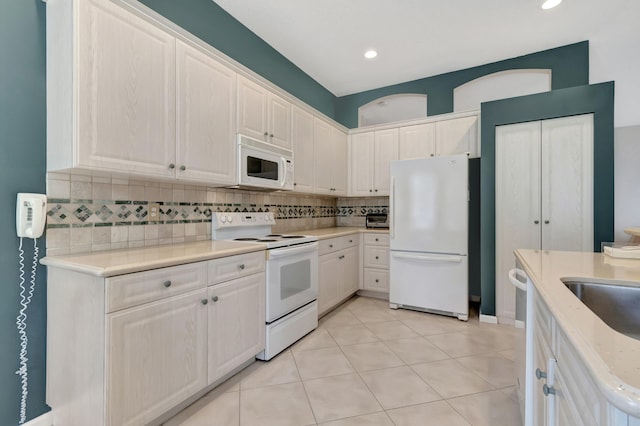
(500, 85)
(389, 109)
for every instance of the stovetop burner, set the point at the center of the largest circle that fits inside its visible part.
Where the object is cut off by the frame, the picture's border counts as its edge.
(274, 235)
(293, 236)
(266, 240)
(245, 239)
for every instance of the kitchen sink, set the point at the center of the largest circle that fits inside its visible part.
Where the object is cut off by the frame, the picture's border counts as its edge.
(618, 305)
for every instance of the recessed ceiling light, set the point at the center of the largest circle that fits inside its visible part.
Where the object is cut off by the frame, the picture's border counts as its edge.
(370, 54)
(550, 4)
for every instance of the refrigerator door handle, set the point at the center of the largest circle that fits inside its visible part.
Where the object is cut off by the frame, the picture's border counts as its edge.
(392, 212)
(428, 257)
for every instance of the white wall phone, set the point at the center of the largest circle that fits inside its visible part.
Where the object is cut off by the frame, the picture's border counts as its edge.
(30, 215)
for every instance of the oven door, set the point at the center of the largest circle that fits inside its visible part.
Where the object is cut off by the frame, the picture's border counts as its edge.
(264, 166)
(292, 278)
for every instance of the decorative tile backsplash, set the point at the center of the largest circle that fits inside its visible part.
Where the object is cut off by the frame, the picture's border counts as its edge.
(86, 214)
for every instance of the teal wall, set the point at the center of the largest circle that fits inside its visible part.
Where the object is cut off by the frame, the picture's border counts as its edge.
(211, 23)
(569, 67)
(596, 99)
(22, 169)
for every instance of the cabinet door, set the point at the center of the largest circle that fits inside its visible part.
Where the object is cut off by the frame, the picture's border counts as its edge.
(417, 141)
(156, 357)
(206, 97)
(517, 203)
(279, 121)
(126, 92)
(361, 161)
(302, 135)
(340, 155)
(348, 271)
(323, 149)
(385, 150)
(543, 406)
(567, 183)
(328, 274)
(457, 136)
(252, 109)
(236, 323)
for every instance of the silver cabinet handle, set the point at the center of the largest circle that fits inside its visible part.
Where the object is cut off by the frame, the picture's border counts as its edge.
(204, 301)
(548, 390)
(241, 266)
(167, 283)
(172, 166)
(183, 168)
(540, 374)
(214, 298)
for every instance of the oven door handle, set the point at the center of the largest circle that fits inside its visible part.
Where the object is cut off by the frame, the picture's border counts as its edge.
(289, 251)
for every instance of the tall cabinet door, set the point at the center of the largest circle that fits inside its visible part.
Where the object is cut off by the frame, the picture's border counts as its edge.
(567, 183)
(385, 151)
(340, 155)
(252, 109)
(361, 170)
(302, 134)
(323, 149)
(517, 203)
(126, 91)
(206, 94)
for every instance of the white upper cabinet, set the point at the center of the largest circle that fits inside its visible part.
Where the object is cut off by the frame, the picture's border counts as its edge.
(417, 141)
(116, 110)
(206, 97)
(443, 136)
(371, 153)
(303, 162)
(457, 136)
(330, 152)
(263, 115)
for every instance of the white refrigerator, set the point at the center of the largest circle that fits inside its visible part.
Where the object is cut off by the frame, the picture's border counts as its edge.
(428, 228)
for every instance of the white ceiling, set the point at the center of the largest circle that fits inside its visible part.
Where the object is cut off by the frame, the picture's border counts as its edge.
(422, 38)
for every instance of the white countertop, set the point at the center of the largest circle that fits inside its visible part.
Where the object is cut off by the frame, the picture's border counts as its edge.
(612, 358)
(125, 261)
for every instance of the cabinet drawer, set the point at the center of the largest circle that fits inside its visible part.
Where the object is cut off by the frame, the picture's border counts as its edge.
(376, 257)
(339, 243)
(376, 239)
(232, 267)
(376, 279)
(124, 291)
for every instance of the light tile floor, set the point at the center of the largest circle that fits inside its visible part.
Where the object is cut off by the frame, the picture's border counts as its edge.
(367, 364)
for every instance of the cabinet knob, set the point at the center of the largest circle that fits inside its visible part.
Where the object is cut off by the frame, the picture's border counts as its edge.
(548, 390)
(536, 222)
(204, 301)
(431, 155)
(295, 184)
(540, 374)
(214, 298)
(183, 168)
(271, 135)
(167, 283)
(377, 258)
(341, 257)
(377, 280)
(172, 166)
(350, 241)
(375, 190)
(266, 133)
(546, 222)
(376, 239)
(330, 245)
(370, 190)
(241, 266)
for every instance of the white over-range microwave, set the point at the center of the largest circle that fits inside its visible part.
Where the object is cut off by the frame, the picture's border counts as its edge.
(264, 166)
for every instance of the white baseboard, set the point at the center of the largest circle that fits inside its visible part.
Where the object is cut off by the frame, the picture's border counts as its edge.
(489, 319)
(45, 419)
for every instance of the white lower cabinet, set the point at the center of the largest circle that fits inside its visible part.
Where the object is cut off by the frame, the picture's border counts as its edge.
(375, 261)
(236, 323)
(563, 392)
(125, 354)
(156, 357)
(338, 264)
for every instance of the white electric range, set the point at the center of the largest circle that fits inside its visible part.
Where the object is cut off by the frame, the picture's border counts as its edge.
(291, 275)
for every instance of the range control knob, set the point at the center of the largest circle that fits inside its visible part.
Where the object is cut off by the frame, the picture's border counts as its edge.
(266, 217)
(223, 219)
(229, 218)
